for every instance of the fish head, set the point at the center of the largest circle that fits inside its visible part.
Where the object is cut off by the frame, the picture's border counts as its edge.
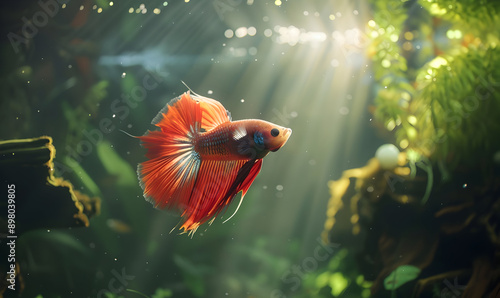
(271, 136)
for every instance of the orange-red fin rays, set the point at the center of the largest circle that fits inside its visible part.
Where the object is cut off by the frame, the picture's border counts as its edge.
(254, 167)
(213, 111)
(175, 176)
(216, 185)
(250, 177)
(170, 172)
(169, 178)
(180, 115)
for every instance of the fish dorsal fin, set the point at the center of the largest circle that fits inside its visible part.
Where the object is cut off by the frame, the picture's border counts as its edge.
(182, 112)
(213, 112)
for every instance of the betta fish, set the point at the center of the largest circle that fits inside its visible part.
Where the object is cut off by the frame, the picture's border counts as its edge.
(199, 159)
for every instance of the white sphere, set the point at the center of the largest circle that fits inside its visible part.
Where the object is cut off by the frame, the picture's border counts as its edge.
(387, 156)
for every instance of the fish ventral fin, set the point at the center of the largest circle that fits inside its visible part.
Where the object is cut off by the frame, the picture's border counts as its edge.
(176, 177)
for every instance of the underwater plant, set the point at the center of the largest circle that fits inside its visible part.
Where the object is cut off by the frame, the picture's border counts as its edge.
(37, 200)
(440, 100)
(340, 276)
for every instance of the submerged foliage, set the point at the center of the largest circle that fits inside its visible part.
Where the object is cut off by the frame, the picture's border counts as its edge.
(338, 277)
(400, 276)
(447, 107)
(457, 108)
(437, 72)
(479, 17)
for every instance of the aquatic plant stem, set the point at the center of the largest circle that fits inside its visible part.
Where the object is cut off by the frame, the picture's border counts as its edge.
(136, 292)
(425, 165)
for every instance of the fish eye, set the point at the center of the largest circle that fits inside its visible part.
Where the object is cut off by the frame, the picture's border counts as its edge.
(275, 132)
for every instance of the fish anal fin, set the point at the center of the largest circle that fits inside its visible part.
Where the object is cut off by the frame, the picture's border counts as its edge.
(217, 184)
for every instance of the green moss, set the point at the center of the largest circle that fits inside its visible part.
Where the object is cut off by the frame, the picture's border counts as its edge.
(446, 108)
(479, 17)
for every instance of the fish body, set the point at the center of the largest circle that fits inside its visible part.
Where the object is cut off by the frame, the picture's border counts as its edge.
(238, 140)
(200, 159)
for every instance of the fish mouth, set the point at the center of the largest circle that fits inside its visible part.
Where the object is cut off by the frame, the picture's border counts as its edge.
(288, 132)
(286, 135)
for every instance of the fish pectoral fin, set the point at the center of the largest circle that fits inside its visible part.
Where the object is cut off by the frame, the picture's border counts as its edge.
(249, 172)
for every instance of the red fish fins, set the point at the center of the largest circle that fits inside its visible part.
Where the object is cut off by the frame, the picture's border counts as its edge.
(176, 177)
(217, 184)
(171, 157)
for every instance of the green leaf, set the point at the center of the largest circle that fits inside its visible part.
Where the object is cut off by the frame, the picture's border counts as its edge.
(189, 267)
(162, 293)
(338, 283)
(193, 275)
(104, 4)
(137, 292)
(195, 284)
(115, 165)
(82, 174)
(400, 276)
(322, 279)
(129, 82)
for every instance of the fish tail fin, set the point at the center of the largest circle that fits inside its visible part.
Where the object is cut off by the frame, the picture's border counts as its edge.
(170, 171)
